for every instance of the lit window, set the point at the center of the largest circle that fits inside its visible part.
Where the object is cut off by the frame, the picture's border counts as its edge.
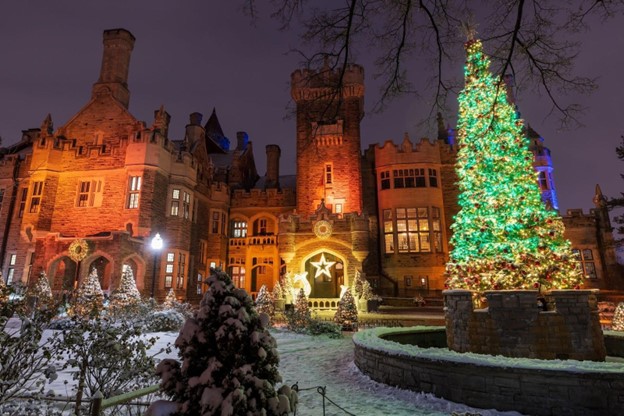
(436, 227)
(89, 193)
(22, 205)
(542, 180)
(388, 231)
(239, 229)
(175, 202)
(199, 283)
(168, 281)
(586, 260)
(338, 208)
(262, 226)
(170, 257)
(186, 205)
(35, 200)
(238, 276)
(181, 271)
(328, 174)
(11, 270)
(134, 190)
(412, 230)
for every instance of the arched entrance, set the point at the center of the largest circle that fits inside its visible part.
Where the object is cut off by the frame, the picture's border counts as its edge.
(62, 274)
(325, 274)
(103, 267)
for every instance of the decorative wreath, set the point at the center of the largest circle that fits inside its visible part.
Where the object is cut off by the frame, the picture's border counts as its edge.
(323, 229)
(78, 250)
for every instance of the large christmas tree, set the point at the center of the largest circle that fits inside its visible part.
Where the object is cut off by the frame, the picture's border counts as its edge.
(89, 298)
(127, 294)
(504, 237)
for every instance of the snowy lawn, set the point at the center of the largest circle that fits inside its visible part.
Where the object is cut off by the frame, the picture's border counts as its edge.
(320, 361)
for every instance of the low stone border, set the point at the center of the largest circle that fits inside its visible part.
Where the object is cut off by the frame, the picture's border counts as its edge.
(536, 387)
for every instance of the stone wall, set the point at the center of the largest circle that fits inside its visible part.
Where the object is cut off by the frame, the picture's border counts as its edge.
(513, 325)
(526, 390)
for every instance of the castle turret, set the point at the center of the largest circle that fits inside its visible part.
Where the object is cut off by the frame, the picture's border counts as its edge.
(194, 130)
(118, 45)
(273, 153)
(330, 106)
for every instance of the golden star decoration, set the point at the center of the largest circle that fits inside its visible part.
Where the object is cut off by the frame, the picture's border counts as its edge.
(322, 266)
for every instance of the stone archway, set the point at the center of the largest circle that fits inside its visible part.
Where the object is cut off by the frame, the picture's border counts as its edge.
(137, 264)
(62, 274)
(103, 266)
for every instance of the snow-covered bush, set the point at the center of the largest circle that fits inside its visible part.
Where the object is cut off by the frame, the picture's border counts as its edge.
(30, 407)
(347, 315)
(265, 302)
(163, 321)
(89, 298)
(171, 303)
(318, 327)
(61, 323)
(108, 356)
(299, 317)
(25, 358)
(229, 358)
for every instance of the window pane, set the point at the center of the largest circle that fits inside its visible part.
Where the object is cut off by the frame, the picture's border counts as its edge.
(413, 242)
(423, 225)
(587, 254)
(401, 225)
(170, 257)
(403, 243)
(424, 242)
(422, 212)
(388, 226)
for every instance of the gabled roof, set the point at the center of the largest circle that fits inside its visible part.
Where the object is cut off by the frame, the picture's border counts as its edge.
(214, 134)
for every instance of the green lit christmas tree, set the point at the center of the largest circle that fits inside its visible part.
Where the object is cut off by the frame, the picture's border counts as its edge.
(347, 314)
(503, 236)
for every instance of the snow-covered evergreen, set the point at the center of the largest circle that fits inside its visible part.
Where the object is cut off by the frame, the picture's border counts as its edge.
(347, 314)
(229, 359)
(299, 317)
(42, 292)
(265, 302)
(170, 299)
(126, 295)
(89, 297)
(618, 317)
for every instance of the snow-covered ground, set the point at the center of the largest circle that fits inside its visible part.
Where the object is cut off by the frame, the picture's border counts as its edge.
(320, 361)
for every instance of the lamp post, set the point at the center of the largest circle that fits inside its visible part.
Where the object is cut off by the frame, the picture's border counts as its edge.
(157, 245)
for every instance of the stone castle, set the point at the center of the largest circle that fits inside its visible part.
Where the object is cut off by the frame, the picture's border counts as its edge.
(95, 191)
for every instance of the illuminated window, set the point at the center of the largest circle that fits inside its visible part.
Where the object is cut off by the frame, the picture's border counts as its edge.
(262, 226)
(181, 271)
(168, 281)
(134, 190)
(22, 206)
(186, 205)
(586, 258)
(89, 193)
(35, 199)
(239, 229)
(385, 179)
(388, 231)
(169, 270)
(199, 283)
(433, 178)
(170, 257)
(175, 202)
(238, 276)
(328, 174)
(11, 270)
(338, 208)
(542, 179)
(436, 228)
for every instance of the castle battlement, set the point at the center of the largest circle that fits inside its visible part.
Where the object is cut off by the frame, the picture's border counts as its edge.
(423, 151)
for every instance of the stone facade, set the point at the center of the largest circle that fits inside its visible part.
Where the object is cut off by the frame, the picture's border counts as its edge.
(115, 181)
(513, 324)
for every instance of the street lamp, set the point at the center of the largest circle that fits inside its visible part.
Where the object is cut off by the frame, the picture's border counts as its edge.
(157, 245)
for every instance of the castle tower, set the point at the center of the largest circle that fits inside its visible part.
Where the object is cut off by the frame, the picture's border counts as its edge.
(118, 45)
(328, 139)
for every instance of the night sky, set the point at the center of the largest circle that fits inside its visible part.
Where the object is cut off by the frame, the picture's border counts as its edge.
(197, 56)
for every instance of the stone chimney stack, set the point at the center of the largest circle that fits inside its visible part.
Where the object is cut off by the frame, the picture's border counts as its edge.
(242, 139)
(273, 153)
(118, 44)
(194, 130)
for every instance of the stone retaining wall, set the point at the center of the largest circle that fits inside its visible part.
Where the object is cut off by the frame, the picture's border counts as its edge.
(514, 326)
(527, 390)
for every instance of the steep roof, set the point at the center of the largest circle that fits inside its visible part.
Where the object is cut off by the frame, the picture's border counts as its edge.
(214, 134)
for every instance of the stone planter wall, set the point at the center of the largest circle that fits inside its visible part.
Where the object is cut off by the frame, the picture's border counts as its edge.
(513, 325)
(531, 391)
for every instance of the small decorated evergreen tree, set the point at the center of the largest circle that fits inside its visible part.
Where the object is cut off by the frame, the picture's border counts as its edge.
(89, 298)
(229, 359)
(278, 292)
(170, 300)
(264, 302)
(42, 292)
(299, 317)
(347, 314)
(618, 318)
(126, 295)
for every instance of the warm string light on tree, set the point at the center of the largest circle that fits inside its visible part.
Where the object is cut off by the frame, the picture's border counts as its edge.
(503, 236)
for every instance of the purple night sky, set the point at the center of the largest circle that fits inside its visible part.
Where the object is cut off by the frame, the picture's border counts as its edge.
(197, 56)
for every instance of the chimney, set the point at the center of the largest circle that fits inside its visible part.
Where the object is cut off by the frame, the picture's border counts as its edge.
(194, 130)
(273, 152)
(241, 140)
(118, 44)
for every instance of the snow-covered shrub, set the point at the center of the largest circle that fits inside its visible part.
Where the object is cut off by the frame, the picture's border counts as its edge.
(229, 358)
(347, 315)
(108, 356)
(61, 323)
(265, 302)
(318, 327)
(30, 407)
(299, 317)
(25, 358)
(618, 318)
(171, 303)
(163, 321)
(89, 298)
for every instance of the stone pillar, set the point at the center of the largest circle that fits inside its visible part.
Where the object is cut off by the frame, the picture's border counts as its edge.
(458, 310)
